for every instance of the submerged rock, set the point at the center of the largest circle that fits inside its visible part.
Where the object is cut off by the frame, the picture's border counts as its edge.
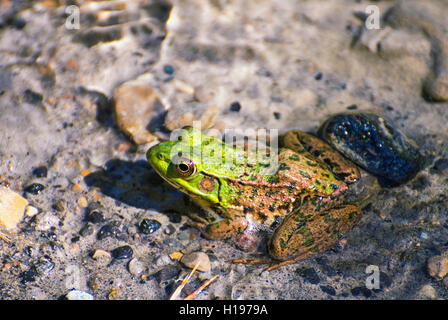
(12, 208)
(374, 144)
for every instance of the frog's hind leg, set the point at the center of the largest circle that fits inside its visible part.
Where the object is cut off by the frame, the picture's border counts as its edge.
(302, 234)
(301, 142)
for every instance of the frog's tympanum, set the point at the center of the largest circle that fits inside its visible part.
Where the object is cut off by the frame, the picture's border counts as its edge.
(306, 191)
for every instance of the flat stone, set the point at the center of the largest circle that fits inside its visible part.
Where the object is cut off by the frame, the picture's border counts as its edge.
(190, 260)
(78, 295)
(137, 108)
(136, 267)
(438, 266)
(12, 208)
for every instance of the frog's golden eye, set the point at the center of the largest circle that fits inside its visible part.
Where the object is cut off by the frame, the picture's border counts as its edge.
(185, 167)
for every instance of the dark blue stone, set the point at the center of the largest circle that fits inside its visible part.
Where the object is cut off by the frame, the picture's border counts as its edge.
(148, 226)
(371, 142)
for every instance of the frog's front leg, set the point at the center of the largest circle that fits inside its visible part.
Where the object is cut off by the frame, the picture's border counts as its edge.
(225, 228)
(306, 231)
(300, 142)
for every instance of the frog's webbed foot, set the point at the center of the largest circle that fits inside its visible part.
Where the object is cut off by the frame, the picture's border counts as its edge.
(300, 142)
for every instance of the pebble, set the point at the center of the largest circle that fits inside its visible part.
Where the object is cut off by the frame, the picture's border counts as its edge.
(78, 295)
(123, 252)
(168, 69)
(183, 115)
(191, 259)
(309, 275)
(136, 106)
(136, 267)
(374, 144)
(32, 97)
(109, 230)
(361, 290)
(43, 267)
(12, 208)
(102, 257)
(246, 242)
(169, 229)
(235, 106)
(148, 226)
(328, 290)
(31, 211)
(438, 266)
(60, 206)
(34, 188)
(95, 216)
(87, 230)
(82, 202)
(440, 166)
(169, 272)
(445, 282)
(40, 172)
(428, 291)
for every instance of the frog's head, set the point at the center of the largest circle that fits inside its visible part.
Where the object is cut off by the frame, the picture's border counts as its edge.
(180, 163)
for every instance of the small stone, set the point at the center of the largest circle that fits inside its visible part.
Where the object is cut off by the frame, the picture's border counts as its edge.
(43, 267)
(100, 254)
(168, 69)
(440, 166)
(40, 172)
(95, 217)
(438, 266)
(148, 226)
(109, 230)
(175, 256)
(82, 202)
(136, 107)
(167, 273)
(87, 230)
(246, 242)
(31, 211)
(34, 188)
(235, 106)
(318, 76)
(85, 173)
(190, 260)
(309, 275)
(28, 276)
(123, 252)
(60, 206)
(12, 208)
(136, 267)
(32, 97)
(445, 282)
(78, 295)
(428, 291)
(361, 290)
(76, 187)
(169, 229)
(184, 115)
(328, 290)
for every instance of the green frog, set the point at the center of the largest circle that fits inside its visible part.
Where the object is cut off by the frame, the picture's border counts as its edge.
(303, 199)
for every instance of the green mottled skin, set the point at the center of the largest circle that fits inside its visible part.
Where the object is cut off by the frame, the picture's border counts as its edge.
(306, 190)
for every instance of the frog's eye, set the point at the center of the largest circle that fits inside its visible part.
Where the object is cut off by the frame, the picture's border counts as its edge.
(185, 167)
